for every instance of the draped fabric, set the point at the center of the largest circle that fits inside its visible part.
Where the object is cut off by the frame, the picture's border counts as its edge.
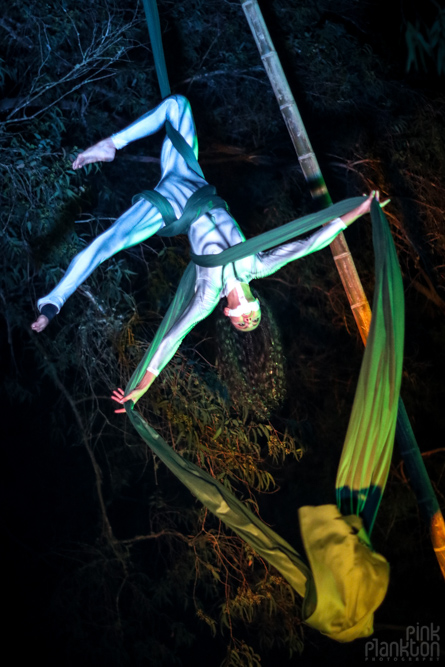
(348, 579)
(366, 498)
(341, 610)
(345, 579)
(278, 235)
(367, 450)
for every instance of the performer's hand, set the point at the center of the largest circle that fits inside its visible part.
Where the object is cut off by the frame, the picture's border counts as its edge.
(375, 194)
(144, 384)
(365, 207)
(104, 151)
(119, 396)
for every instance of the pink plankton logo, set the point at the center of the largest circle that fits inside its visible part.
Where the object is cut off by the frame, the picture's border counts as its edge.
(421, 644)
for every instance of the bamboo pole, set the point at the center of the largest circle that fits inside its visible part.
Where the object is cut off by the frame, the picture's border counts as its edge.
(345, 266)
(309, 164)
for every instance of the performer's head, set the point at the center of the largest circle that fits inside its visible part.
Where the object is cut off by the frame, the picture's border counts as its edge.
(250, 359)
(246, 316)
(247, 321)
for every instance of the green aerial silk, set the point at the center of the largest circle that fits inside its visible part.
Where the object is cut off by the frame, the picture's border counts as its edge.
(154, 30)
(367, 450)
(183, 148)
(367, 500)
(279, 235)
(341, 610)
(345, 604)
(346, 580)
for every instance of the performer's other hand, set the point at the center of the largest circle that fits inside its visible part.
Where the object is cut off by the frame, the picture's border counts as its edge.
(104, 151)
(375, 194)
(119, 396)
(365, 207)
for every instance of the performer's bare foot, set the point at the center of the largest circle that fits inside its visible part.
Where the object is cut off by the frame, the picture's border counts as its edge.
(41, 323)
(104, 151)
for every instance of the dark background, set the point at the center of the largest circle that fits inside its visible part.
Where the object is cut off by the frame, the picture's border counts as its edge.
(78, 486)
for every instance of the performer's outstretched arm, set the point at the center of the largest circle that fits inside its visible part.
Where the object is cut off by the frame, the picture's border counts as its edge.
(272, 260)
(203, 303)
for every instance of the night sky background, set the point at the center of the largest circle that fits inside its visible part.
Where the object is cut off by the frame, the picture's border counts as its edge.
(107, 560)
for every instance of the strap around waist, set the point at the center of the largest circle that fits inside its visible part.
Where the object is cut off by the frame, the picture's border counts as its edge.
(202, 201)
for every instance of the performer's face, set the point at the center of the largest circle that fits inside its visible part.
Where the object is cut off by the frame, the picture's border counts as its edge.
(248, 321)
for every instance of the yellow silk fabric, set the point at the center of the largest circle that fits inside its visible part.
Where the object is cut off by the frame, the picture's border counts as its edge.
(349, 580)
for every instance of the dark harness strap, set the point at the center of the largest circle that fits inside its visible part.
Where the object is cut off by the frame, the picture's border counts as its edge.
(162, 204)
(202, 201)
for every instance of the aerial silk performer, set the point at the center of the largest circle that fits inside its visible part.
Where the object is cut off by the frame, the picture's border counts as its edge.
(183, 201)
(341, 578)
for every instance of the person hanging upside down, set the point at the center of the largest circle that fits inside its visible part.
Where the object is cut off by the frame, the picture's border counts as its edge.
(210, 232)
